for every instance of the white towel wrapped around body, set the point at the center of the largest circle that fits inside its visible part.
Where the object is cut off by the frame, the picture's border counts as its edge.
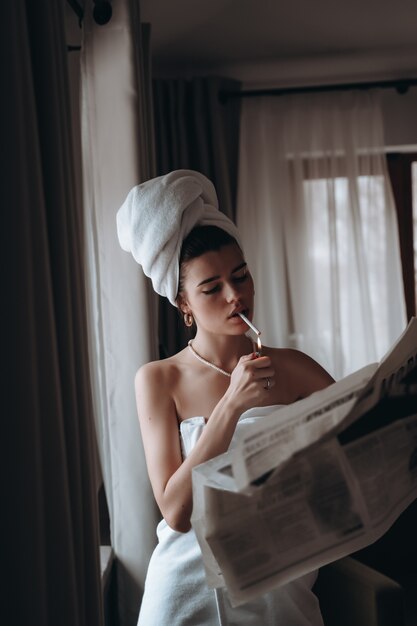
(176, 591)
(156, 217)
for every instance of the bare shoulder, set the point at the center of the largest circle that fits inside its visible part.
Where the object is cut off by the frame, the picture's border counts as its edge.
(154, 385)
(156, 371)
(303, 374)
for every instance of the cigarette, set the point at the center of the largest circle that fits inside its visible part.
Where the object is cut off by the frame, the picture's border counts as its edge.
(255, 330)
(245, 319)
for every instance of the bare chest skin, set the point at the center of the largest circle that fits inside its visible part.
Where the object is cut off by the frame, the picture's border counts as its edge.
(197, 389)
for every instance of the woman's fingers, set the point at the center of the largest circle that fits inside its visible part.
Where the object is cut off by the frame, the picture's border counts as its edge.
(247, 357)
(263, 373)
(251, 360)
(261, 361)
(261, 368)
(258, 369)
(252, 379)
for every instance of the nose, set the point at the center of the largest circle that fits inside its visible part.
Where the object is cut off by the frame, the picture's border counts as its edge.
(232, 293)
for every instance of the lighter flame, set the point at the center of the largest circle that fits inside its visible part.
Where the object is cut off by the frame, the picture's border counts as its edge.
(259, 345)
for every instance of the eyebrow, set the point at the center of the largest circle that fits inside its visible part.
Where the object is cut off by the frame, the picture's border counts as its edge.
(209, 280)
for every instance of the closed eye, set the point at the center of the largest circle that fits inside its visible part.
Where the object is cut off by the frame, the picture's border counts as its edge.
(240, 279)
(242, 276)
(213, 290)
(236, 279)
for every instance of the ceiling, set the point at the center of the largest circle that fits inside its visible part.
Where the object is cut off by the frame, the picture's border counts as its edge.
(214, 33)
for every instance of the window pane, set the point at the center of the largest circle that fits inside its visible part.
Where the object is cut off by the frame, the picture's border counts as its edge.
(348, 252)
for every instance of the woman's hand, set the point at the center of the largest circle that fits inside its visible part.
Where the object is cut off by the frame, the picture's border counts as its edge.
(251, 381)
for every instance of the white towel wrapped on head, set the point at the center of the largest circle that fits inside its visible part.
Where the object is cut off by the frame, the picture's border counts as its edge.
(156, 217)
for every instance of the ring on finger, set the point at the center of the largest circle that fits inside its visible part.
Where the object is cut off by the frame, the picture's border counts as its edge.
(268, 384)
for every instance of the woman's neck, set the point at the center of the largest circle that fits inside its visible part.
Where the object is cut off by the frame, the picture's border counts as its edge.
(224, 350)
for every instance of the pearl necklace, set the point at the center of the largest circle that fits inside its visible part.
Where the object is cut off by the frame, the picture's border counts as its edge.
(209, 363)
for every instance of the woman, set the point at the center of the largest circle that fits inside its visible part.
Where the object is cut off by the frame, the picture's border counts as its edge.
(191, 404)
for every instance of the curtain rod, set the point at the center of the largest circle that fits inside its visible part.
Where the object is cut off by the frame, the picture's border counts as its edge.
(401, 85)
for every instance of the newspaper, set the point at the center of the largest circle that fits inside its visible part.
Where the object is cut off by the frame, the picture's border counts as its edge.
(313, 481)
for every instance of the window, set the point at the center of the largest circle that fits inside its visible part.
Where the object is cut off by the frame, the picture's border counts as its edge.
(338, 265)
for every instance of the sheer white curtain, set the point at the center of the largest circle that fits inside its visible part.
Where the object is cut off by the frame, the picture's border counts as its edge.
(117, 154)
(318, 222)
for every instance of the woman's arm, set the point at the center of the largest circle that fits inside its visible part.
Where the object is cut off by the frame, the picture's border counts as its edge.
(169, 474)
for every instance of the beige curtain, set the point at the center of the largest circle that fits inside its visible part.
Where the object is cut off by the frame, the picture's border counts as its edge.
(117, 142)
(53, 536)
(195, 129)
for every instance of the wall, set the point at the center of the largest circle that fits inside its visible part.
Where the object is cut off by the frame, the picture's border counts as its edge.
(400, 118)
(399, 111)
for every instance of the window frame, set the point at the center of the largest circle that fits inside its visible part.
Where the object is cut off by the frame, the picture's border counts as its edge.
(400, 173)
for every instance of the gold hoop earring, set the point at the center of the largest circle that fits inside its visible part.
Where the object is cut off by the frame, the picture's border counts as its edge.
(188, 320)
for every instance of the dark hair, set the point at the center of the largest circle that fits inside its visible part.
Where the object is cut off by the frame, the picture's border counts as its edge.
(200, 240)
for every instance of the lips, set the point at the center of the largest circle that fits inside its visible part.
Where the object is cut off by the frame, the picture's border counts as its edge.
(237, 311)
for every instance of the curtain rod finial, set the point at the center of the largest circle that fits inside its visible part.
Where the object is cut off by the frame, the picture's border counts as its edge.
(402, 87)
(102, 12)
